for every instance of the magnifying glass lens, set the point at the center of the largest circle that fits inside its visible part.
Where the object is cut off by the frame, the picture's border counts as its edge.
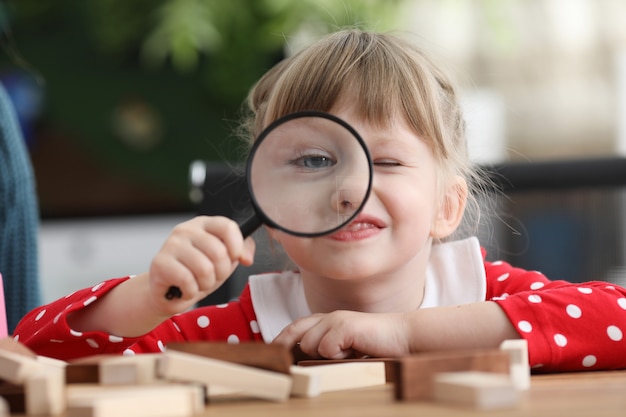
(309, 175)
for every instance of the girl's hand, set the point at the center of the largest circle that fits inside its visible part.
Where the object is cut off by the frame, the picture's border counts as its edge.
(197, 257)
(348, 334)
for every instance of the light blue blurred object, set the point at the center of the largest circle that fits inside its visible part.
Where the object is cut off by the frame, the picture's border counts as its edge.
(19, 218)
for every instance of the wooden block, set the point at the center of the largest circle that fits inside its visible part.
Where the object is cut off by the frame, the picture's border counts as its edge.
(14, 396)
(415, 373)
(310, 381)
(159, 400)
(271, 357)
(12, 345)
(16, 367)
(519, 366)
(478, 390)
(182, 366)
(132, 370)
(389, 364)
(45, 360)
(113, 369)
(45, 392)
(82, 373)
(4, 408)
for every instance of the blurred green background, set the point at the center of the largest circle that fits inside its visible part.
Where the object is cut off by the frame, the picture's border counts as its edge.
(117, 97)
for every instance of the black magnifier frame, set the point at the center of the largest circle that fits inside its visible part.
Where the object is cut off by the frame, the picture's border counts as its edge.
(259, 217)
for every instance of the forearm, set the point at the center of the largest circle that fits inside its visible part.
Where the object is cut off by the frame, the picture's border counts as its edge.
(478, 325)
(125, 311)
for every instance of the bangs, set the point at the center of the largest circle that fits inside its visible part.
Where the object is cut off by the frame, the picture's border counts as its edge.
(383, 78)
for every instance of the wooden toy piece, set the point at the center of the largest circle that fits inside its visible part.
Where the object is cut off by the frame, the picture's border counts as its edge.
(45, 392)
(133, 370)
(17, 367)
(478, 390)
(113, 369)
(271, 357)
(415, 373)
(389, 364)
(12, 345)
(520, 368)
(14, 396)
(4, 407)
(310, 381)
(259, 383)
(45, 360)
(157, 400)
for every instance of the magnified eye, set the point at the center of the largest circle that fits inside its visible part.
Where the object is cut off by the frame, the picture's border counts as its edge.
(314, 161)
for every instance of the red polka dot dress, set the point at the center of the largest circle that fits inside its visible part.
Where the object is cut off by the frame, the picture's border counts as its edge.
(568, 326)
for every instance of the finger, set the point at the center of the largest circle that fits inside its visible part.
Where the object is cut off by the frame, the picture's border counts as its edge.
(167, 271)
(228, 232)
(294, 332)
(334, 344)
(247, 257)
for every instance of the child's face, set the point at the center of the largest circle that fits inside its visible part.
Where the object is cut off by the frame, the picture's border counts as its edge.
(393, 231)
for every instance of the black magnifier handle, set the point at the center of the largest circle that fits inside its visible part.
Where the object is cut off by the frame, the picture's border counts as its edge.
(247, 228)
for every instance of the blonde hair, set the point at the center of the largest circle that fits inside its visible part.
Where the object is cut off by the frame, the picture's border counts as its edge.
(381, 74)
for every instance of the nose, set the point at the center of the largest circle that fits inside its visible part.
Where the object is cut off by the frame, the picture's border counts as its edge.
(344, 201)
(348, 196)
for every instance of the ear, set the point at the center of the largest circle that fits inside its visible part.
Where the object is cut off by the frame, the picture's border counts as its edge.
(451, 208)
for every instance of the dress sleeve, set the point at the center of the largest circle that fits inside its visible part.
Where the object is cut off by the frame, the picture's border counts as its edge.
(568, 326)
(45, 329)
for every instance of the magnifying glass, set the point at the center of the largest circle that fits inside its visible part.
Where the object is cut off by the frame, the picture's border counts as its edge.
(309, 174)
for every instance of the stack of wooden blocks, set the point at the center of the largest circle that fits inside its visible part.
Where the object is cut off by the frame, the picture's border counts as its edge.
(181, 380)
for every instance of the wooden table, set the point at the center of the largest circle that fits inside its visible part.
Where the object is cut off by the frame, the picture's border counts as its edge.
(585, 394)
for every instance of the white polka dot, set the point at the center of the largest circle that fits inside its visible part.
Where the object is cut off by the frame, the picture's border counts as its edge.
(614, 333)
(233, 339)
(560, 340)
(56, 341)
(222, 305)
(539, 365)
(610, 287)
(75, 333)
(254, 325)
(92, 343)
(496, 263)
(536, 285)
(535, 298)
(525, 326)
(56, 318)
(585, 290)
(90, 300)
(115, 339)
(16, 337)
(161, 346)
(176, 327)
(503, 277)
(574, 311)
(128, 352)
(589, 361)
(97, 287)
(622, 303)
(40, 315)
(203, 322)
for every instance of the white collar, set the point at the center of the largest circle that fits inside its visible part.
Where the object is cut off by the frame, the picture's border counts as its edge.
(455, 275)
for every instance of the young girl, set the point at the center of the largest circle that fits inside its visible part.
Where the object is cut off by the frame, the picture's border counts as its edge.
(390, 283)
